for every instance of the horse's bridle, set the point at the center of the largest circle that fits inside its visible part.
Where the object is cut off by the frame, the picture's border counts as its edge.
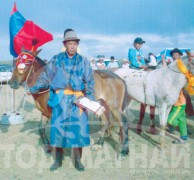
(25, 83)
(190, 59)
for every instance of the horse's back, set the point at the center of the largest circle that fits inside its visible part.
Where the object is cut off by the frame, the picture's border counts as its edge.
(135, 81)
(109, 87)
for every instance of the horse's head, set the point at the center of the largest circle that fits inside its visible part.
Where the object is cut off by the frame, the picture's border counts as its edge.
(23, 67)
(188, 61)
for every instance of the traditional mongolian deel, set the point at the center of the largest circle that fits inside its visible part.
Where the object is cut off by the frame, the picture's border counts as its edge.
(24, 33)
(69, 78)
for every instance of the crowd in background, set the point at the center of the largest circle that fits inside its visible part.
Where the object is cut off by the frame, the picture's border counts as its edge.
(137, 61)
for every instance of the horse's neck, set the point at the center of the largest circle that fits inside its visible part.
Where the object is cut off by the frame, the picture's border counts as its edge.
(37, 69)
(174, 75)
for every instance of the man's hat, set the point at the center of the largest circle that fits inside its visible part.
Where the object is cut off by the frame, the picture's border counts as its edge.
(176, 50)
(139, 40)
(70, 35)
(112, 57)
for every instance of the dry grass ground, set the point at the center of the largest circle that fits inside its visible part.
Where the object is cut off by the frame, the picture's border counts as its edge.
(22, 155)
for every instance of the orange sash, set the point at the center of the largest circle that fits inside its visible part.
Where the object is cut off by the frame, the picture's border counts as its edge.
(71, 92)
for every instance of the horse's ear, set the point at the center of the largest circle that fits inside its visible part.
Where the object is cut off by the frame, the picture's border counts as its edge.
(35, 53)
(23, 49)
(188, 53)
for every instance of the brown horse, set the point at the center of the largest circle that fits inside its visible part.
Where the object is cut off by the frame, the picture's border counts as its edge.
(110, 90)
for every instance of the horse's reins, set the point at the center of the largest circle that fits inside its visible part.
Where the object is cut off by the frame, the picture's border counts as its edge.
(26, 82)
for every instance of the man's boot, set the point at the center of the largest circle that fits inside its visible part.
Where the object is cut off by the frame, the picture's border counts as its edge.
(58, 159)
(77, 159)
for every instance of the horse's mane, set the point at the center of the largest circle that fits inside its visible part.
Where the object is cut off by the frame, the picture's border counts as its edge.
(40, 61)
(185, 56)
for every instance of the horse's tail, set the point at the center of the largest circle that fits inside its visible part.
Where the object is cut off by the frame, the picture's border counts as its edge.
(126, 98)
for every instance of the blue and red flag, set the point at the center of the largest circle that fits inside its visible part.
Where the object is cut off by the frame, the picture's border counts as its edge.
(24, 33)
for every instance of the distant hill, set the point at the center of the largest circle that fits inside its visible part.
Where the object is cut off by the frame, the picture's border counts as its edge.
(6, 62)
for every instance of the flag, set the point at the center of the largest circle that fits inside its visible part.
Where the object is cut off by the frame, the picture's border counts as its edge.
(25, 33)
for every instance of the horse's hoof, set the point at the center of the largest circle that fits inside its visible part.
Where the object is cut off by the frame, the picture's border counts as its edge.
(96, 147)
(162, 145)
(122, 158)
(107, 134)
(123, 155)
(138, 129)
(48, 149)
(153, 130)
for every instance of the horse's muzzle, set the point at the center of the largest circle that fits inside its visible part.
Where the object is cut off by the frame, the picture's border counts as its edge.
(14, 84)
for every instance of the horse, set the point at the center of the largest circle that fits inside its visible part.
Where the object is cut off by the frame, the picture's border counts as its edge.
(109, 88)
(159, 88)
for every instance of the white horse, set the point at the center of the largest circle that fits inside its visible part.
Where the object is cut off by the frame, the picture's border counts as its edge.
(159, 88)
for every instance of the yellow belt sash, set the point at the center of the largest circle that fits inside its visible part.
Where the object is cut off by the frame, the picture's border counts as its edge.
(71, 92)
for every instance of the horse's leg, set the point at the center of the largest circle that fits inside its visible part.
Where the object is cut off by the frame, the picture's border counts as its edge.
(141, 116)
(105, 118)
(124, 128)
(163, 113)
(152, 124)
(43, 136)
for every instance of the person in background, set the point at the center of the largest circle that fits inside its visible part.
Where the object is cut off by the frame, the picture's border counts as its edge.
(176, 54)
(93, 64)
(177, 117)
(69, 75)
(112, 64)
(135, 55)
(125, 63)
(101, 65)
(152, 61)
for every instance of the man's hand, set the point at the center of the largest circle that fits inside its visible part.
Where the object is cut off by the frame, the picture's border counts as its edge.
(33, 90)
(138, 58)
(144, 67)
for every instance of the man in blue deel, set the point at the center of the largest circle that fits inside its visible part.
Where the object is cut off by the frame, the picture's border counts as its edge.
(69, 76)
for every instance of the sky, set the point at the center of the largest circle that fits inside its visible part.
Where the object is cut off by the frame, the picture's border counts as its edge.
(105, 27)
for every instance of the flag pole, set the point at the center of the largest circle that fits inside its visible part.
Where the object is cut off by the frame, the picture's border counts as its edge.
(13, 92)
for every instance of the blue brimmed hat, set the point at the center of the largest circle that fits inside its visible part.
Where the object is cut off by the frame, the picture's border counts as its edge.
(139, 40)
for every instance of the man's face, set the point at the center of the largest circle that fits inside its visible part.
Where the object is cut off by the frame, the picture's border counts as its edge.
(101, 60)
(137, 46)
(71, 47)
(176, 56)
